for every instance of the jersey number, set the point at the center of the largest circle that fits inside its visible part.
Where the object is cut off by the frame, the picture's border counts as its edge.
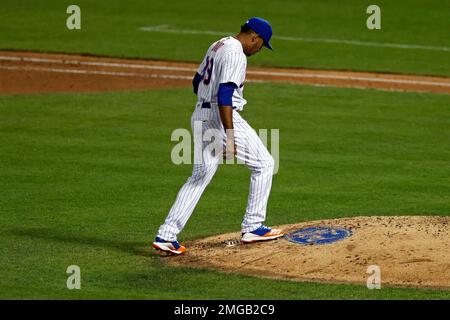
(207, 70)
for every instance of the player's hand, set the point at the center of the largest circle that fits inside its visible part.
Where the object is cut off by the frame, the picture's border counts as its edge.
(230, 149)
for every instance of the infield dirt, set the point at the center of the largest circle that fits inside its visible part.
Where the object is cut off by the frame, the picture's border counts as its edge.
(412, 251)
(29, 72)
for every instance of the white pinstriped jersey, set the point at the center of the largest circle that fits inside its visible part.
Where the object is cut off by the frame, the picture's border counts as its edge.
(224, 62)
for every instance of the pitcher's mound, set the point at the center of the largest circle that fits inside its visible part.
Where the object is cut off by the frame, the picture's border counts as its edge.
(409, 250)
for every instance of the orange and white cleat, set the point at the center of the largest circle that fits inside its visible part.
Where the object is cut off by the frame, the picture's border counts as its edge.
(263, 233)
(171, 247)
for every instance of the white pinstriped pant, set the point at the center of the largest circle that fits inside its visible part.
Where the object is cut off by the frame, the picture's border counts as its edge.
(250, 150)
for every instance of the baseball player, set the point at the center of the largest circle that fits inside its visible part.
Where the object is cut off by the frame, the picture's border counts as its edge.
(219, 85)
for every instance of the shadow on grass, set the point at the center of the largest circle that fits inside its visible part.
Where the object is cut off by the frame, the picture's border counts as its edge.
(48, 234)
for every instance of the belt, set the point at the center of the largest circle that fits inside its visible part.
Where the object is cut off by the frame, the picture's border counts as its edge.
(207, 105)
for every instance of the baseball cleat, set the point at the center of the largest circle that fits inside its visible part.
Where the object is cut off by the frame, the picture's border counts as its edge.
(263, 233)
(168, 246)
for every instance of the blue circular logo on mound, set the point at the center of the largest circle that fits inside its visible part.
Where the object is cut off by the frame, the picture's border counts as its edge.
(318, 235)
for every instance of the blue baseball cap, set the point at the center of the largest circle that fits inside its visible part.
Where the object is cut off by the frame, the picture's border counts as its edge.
(261, 27)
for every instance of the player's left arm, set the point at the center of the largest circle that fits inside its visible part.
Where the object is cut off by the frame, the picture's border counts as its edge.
(196, 81)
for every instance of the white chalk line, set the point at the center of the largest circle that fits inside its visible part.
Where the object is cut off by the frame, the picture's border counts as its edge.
(172, 76)
(94, 63)
(355, 78)
(167, 29)
(101, 72)
(98, 72)
(250, 72)
(58, 70)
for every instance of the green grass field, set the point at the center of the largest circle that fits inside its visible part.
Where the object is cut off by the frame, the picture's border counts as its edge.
(112, 27)
(87, 179)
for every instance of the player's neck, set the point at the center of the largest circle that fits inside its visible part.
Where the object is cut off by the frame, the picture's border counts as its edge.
(240, 37)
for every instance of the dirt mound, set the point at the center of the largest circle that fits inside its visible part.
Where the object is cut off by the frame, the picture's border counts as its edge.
(28, 72)
(410, 251)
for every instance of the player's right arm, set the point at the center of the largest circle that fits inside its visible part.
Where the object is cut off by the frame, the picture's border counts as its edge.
(225, 102)
(232, 68)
